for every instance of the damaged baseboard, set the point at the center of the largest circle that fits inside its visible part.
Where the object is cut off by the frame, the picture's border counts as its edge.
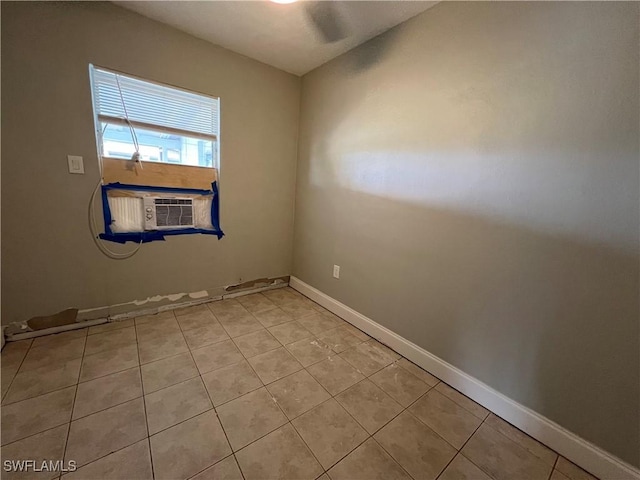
(581, 452)
(257, 285)
(117, 317)
(160, 303)
(123, 311)
(232, 291)
(136, 308)
(59, 329)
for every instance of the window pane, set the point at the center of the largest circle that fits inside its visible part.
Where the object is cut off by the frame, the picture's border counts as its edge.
(117, 142)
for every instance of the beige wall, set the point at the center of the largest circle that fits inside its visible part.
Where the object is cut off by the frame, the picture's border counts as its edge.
(49, 261)
(475, 174)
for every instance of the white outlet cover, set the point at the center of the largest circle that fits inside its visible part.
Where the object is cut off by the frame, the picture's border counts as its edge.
(336, 271)
(76, 164)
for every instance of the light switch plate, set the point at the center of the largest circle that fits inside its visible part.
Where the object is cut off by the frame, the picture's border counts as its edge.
(76, 164)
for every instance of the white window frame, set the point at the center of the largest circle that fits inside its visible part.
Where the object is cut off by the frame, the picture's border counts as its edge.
(100, 118)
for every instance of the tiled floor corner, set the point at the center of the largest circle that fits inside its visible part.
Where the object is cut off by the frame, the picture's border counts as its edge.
(264, 386)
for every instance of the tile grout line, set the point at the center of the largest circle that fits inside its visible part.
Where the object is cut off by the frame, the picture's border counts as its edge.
(77, 385)
(289, 421)
(368, 436)
(73, 405)
(144, 402)
(38, 368)
(118, 404)
(108, 454)
(115, 371)
(112, 329)
(404, 409)
(246, 359)
(332, 397)
(365, 377)
(461, 406)
(459, 452)
(389, 454)
(209, 396)
(214, 464)
(178, 423)
(484, 421)
(18, 369)
(121, 344)
(56, 389)
(554, 466)
(517, 444)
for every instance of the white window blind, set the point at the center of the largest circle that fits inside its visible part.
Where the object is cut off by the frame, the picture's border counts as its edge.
(153, 106)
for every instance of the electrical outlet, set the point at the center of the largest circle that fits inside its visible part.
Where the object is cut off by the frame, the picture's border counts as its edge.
(336, 271)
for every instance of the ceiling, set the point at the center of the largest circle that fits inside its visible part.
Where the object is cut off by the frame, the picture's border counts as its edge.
(278, 34)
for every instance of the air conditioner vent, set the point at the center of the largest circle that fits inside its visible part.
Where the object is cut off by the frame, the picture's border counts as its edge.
(168, 213)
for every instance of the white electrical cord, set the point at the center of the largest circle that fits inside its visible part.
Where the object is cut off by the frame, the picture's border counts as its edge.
(93, 227)
(136, 157)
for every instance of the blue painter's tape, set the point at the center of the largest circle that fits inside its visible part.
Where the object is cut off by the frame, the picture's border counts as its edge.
(106, 211)
(155, 235)
(215, 209)
(159, 235)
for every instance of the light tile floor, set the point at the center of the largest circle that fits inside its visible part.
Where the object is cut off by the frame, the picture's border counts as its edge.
(268, 385)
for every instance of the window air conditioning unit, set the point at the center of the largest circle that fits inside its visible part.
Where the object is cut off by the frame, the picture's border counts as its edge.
(168, 213)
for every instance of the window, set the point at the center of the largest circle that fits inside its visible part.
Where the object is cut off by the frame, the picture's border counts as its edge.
(175, 135)
(164, 124)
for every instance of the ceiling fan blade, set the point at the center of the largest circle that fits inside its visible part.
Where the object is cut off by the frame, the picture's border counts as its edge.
(327, 20)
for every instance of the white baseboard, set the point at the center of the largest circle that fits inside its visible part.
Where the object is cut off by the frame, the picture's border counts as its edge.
(59, 329)
(583, 453)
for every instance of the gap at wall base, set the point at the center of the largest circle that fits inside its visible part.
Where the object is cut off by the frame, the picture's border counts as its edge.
(92, 320)
(581, 452)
